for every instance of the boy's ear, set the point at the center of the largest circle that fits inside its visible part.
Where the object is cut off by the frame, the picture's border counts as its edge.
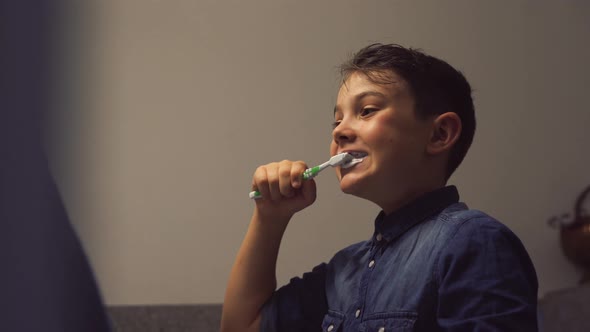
(446, 129)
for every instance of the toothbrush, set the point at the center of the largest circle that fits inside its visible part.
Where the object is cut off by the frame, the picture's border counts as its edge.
(344, 159)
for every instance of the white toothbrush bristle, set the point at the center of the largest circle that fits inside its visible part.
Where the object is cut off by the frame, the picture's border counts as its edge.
(340, 159)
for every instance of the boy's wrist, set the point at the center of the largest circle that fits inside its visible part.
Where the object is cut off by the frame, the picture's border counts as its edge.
(271, 220)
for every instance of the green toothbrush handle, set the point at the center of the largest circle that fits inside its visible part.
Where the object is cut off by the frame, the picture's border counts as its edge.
(309, 173)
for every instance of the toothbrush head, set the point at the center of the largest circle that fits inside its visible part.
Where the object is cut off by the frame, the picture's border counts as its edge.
(340, 159)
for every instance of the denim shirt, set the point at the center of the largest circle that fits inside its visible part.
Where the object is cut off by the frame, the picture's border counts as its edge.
(433, 265)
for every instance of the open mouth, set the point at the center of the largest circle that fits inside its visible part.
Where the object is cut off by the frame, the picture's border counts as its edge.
(357, 154)
(358, 158)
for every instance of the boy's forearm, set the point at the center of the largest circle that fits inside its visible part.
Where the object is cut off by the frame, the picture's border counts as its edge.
(253, 278)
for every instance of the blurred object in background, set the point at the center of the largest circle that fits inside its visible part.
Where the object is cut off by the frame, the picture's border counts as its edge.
(46, 283)
(565, 310)
(575, 234)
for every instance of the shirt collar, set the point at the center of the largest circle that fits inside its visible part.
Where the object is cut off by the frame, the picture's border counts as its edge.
(394, 225)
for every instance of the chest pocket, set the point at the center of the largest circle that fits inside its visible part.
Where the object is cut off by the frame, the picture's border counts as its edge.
(390, 322)
(332, 321)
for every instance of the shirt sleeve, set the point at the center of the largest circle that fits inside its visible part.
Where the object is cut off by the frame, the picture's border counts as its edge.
(487, 281)
(298, 306)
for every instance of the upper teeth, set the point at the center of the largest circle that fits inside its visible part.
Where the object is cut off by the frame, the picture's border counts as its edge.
(357, 154)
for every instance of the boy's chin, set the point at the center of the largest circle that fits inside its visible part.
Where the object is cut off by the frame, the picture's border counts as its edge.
(351, 185)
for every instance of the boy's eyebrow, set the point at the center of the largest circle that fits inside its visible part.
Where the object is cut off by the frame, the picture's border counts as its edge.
(369, 93)
(363, 95)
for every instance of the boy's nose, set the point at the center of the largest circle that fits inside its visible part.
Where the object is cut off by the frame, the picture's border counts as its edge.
(343, 133)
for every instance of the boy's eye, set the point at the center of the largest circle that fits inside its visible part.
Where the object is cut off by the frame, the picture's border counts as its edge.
(335, 124)
(367, 111)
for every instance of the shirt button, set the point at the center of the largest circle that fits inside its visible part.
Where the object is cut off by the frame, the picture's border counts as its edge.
(330, 328)
(381, 329)
(357, 313)
(371, 263)
(379, 237)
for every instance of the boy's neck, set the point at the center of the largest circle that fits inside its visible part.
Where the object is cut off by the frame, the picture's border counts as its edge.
(409, 196)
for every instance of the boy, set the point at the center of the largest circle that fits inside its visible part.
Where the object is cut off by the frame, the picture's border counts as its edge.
(432, 264)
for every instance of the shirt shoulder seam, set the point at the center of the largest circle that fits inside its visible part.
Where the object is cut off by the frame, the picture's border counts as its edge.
(453, 234)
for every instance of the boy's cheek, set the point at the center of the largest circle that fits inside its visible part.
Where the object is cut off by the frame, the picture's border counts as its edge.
(333, 148)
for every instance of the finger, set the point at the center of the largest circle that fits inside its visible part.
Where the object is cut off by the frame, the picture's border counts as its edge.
(309, 191)
(285, 178)
(260, 182)
(297, 173)
(272, 173)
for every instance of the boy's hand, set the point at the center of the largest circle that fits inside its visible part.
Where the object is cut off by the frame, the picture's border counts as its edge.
(282, 188)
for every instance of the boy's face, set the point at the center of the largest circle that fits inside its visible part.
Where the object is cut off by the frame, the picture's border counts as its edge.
(379, 120)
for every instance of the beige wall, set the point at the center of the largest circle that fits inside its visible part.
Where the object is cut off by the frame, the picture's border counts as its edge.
(167, 107)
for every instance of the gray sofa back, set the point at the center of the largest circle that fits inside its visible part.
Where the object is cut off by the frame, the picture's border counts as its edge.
(166, 318)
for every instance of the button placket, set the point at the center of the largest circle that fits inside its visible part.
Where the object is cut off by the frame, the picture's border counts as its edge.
(374, 253)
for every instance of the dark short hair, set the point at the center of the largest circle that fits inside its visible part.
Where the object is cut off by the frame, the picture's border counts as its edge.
(437, 87)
